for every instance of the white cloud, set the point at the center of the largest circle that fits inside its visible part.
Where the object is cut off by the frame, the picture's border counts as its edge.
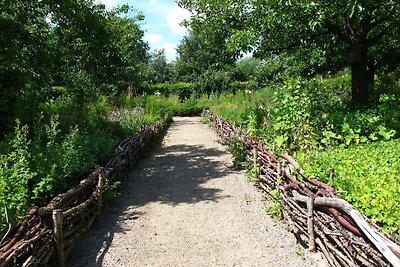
(175, 17)
(153, 38)
(152, 2)
(170, 51)
(109, 3)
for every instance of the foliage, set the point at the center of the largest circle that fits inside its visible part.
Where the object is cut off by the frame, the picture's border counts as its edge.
(238, 150)
(158, 69)
(247, 68)
(131, 119)
(232, 107)
(322, 108)
(75, 45)
(34, 169)
(183, 90)
(203, 50)
(38, 161)
(314, 120)
(15, 174)
(241, 86)
(213, 81)
(252, 168)
(366, 175)
(322, 34)
(275, 208)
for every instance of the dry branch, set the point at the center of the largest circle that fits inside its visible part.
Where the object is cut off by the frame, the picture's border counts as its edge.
(62, 199)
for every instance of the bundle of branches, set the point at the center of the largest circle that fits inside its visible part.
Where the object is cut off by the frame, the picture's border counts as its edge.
(314, 212)
(48, 234)
(32, 234)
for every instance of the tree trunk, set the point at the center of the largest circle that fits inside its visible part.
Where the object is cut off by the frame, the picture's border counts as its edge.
(359, 75)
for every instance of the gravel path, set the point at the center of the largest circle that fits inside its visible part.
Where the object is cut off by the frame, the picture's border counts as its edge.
(185, 206)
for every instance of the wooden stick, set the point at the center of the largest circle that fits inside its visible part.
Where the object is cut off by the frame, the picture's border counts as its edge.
(58, 236)
(100, 189)
(68, 213)
(64, 198)
(380, 242)
(310, 222)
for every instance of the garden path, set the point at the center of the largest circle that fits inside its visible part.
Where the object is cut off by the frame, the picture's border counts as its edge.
(184, 205)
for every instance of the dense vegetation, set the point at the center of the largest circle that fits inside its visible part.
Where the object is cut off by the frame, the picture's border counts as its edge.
(314, 121)
(72, 75)
(323, 83)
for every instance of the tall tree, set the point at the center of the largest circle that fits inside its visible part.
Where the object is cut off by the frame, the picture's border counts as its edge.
(25, 56)
(204, 48)
(158, 69)
(361, 28)
(78, 44)
(98, 47)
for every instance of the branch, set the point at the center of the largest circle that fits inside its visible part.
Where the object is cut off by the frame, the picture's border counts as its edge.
(334, 29)
(373, 40)
(384, 245)
(295, 44)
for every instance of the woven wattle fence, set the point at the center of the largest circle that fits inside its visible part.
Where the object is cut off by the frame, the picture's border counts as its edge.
(316, 216)
(48, 234)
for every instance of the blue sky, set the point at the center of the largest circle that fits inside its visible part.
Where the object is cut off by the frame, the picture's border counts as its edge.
(161, 24)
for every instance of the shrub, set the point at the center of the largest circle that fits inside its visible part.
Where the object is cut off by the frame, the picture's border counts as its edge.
(213, 81)
(241, 86)
(183, 90)
(15, 175)
(368, 176)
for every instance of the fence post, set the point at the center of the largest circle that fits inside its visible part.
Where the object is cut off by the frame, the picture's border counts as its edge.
(129, 156)
(58, 236)
(310, 223)
(119, 171)
(255, 161)
(100, 188)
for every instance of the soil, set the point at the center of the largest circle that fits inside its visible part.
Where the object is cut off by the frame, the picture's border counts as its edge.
(184, 205)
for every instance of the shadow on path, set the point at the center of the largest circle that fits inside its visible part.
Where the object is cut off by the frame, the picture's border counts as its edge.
(171, 175)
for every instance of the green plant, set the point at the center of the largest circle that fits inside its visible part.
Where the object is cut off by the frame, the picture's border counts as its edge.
(238, 150)
(275, 208)
(366, 175)
(314, 120)
(252, 168)
(213, 81)
(182, 90)
(130, 119)
(16, 175)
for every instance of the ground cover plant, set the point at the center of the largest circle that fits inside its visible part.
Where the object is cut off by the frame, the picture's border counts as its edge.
(367, 175)
(315, 121)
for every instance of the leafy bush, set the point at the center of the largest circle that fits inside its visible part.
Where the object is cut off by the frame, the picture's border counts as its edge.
(183, 90)
(66, 139)
(213, 81)
(237, 86)
(236, 107)
(15, 175)
(130, 119)
(368, 176)
(238, 150)
(315, 119)
(323, 112)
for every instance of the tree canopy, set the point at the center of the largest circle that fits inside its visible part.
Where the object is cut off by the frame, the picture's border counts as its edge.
(158, 69)
(78, 46)
(362, 34)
